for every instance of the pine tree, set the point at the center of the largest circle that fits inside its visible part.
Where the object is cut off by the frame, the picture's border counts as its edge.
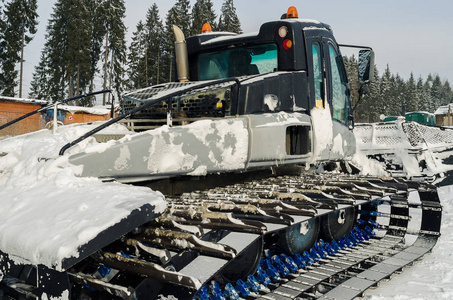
(427, 87)
(423, 95)
(229, 21)
(77, 55)
(2, 47)
(351, 65)
(112, 13)
(53, 55)
(66, 56)
(391, 95)
(40, 83)
(20, 24)
(436, 92)
(97, 36)
(177, 15)
(411, 97)
(399, 92)
(202, 12)
(137, 58)
(375, 98)
(386, 92)
(155, 31)
(447, 94)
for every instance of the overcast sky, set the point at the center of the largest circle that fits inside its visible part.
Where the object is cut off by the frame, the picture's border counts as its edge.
(409, 35)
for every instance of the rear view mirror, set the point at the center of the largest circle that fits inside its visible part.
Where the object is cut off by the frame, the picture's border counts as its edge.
(366, 65)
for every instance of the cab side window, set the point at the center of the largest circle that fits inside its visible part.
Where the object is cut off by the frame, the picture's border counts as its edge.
(317, 73)
(340, 103)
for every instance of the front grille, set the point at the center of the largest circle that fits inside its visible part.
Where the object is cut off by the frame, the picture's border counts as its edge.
(211, 101)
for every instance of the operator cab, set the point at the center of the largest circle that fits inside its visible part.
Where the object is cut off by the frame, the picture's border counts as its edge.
(301, 57)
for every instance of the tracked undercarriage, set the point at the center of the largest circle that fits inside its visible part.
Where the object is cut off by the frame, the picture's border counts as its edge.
(328, 236)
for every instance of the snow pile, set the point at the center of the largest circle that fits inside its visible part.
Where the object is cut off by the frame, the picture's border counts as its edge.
(431, 277)
(322, 131)
(48, 212)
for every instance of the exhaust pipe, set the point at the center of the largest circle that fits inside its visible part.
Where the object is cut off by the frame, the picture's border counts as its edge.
(182, 59)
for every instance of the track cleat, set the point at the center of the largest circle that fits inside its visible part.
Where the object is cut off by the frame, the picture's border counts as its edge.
(335, 246)
(202, 294)
(124, 254)
(375, 213)
(330, 250)
(230, 292)
(343, 244)
(354, 240)
(103, 270)
(91, 289)
(308, 259)
(301, 263)
(315, 255)
(267, 253)
(289, 262)
(270, 270)
(216, 296)
(365, 234)
(369, 231)
(348, 241)
(242, 288)
(376, 203)
(262, 277)
(319, 247)
(373, 224)
(358, 233)
(280, 266)
(252, 283)
(214, 287)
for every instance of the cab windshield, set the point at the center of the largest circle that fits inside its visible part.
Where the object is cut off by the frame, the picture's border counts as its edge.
(240, 61)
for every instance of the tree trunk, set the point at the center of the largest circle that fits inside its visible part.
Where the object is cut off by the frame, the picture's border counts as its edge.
(146, 60)
(158, 66)
(78, 83)
(111, 76)
(71, 86)
(21, 60)
(105, 64)
(90, 91)
(171, 66)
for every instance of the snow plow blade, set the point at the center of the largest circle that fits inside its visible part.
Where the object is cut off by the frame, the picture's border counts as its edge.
(45, 272)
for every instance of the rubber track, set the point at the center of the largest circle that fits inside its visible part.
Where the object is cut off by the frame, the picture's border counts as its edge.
(345, 275)
(349, 274)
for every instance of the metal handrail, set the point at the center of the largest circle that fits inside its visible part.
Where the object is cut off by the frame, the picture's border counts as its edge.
(145, 105)
(52, 104)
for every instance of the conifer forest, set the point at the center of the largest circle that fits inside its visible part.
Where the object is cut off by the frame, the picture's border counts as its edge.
(86, 50)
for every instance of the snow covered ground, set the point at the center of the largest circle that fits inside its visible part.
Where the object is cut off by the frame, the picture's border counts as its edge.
(431, 277)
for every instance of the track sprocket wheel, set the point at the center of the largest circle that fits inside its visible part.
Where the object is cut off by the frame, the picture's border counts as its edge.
(337, 224)
(300, 237)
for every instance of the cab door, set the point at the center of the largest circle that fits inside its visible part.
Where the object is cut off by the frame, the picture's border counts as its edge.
(320, 112)
(339, 98)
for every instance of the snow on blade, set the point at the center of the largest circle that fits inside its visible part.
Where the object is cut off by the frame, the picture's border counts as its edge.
(47, 211)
